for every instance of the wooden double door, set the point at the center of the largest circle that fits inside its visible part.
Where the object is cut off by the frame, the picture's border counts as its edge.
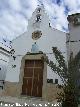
(33, 78)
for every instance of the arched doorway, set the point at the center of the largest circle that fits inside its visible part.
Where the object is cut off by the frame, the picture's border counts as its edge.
(33, 75)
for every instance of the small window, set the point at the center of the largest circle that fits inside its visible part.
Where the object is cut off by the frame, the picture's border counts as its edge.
(49, 80)
(56, 81)
(0, 68)
(39, 9)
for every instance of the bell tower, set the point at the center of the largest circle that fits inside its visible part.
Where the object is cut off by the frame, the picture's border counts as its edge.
(38, 22)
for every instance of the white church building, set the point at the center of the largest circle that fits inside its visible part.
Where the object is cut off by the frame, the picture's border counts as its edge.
(27, 73)
(40, 36)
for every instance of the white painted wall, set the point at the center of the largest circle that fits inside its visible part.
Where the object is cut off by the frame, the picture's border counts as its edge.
(23, 44)
(4, 60)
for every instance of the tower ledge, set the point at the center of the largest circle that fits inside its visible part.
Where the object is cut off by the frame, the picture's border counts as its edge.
(73, 17)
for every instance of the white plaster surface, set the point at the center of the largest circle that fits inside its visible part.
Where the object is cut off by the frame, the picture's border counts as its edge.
(50, 38)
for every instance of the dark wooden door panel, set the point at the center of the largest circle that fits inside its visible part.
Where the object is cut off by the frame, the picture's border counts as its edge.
(35, 73)
(38, 63)
(24, 82)
(33, 78)
(28, 72)
(29, 82)
(34, 91)
(28, 91)
(38, 73)
(27, 86)
(40, 90)
(38, 80)
(29, 63)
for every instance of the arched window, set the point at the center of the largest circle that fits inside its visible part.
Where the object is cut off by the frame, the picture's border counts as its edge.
(38, 10)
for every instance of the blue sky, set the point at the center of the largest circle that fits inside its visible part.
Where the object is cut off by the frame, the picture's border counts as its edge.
(14, 14)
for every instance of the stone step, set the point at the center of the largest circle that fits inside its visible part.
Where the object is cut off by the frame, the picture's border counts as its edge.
(8, 101)
(23, 102)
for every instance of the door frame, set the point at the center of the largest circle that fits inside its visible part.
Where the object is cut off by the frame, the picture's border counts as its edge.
(37, 56)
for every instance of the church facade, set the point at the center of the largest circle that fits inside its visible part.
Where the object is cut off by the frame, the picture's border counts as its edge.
(27, 73)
